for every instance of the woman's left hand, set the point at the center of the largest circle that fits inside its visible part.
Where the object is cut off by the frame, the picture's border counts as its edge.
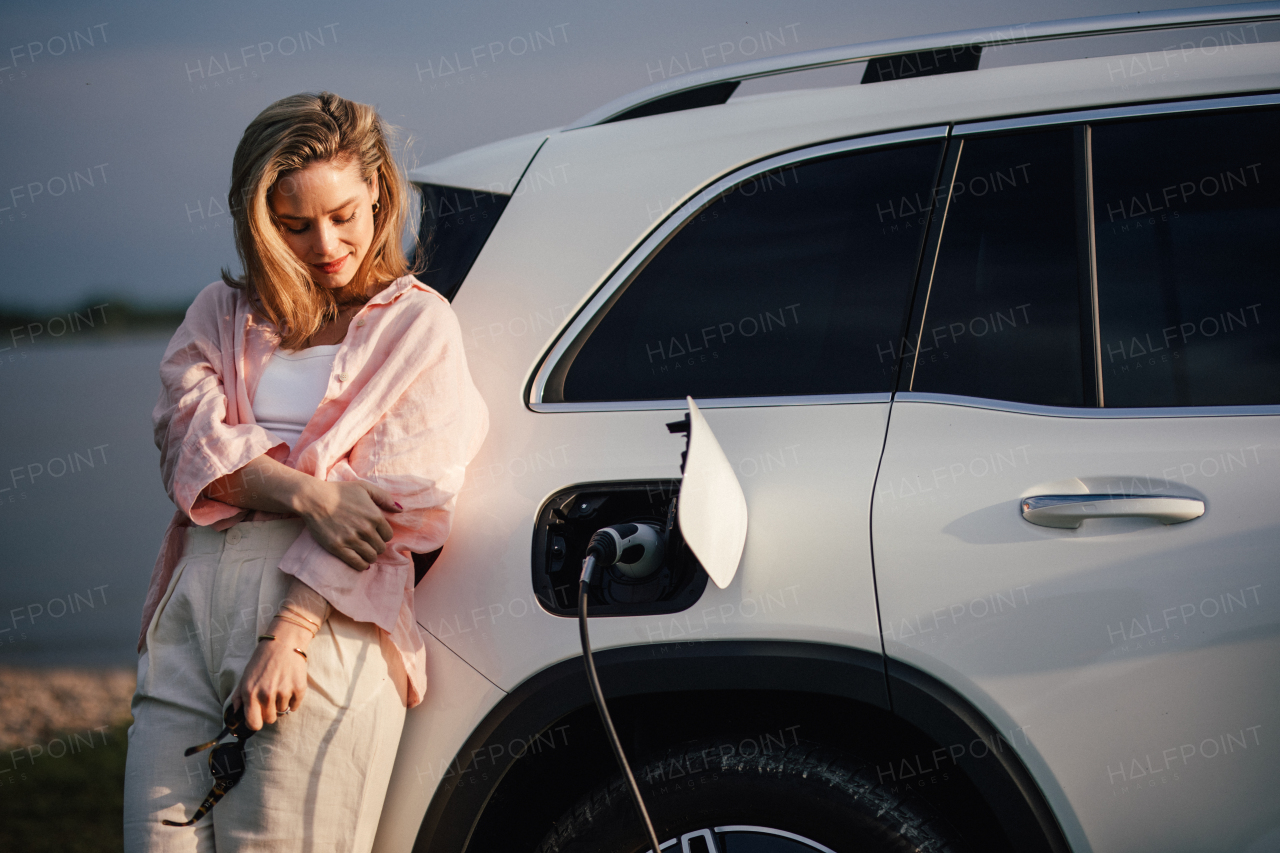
(275, 679)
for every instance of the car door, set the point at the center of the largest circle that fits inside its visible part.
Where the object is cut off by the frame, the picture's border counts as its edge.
(1100, 322)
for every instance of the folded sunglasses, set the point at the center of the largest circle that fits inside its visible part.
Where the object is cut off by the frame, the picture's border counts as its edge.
(226, 761)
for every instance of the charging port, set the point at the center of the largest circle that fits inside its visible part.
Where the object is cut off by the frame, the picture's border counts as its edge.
(566, 523)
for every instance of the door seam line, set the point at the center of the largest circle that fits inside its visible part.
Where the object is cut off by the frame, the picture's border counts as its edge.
(871, 548)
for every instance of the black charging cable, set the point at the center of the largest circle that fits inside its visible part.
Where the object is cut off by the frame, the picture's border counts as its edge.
(604, 550)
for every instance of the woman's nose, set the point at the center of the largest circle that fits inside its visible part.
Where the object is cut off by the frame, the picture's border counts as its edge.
(325, 241)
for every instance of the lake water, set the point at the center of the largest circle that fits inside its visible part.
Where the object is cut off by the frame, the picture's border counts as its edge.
(82, 508)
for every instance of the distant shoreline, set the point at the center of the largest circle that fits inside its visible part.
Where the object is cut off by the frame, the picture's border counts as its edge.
(95, 320)
(80, 657)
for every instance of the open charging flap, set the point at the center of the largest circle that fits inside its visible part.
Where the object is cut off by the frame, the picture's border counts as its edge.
(712, 509)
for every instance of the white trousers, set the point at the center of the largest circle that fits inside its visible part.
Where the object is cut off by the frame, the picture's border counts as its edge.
(316, 778)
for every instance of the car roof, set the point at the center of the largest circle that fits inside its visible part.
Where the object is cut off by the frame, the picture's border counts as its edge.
(920, 100)
(937, 42)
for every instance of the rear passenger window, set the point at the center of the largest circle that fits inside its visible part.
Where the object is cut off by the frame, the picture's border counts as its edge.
(1002, 313)
(792, 282)
(456, 223)
(1187, 224)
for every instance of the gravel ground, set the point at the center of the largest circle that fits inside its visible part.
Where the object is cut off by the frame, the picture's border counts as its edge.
(38, 704)
(63, 743)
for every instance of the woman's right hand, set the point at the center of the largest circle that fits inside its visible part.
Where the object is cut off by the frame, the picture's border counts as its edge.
(345, 518)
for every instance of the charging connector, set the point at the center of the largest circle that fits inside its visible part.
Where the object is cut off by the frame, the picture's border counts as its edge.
(634, 550)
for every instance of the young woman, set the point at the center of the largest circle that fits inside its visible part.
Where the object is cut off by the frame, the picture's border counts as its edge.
(315, 422)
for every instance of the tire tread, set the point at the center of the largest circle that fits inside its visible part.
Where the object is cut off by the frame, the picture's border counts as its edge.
(907, 822)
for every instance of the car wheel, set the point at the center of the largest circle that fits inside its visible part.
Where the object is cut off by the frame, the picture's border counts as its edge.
(712, 797)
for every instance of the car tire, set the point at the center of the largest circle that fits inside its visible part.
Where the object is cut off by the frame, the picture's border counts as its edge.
(802, 797)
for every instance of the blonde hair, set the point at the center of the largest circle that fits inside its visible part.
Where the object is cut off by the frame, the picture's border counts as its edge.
(287, 136)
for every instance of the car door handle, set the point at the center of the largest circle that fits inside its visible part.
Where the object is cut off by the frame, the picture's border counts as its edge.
(1068, 511)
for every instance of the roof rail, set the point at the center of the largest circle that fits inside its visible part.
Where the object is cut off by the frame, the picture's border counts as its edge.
(1133, 22)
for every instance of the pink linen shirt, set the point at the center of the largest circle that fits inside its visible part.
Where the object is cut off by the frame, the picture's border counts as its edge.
(400, 411)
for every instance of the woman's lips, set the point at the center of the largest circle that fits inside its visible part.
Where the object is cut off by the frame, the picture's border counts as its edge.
(332, 267)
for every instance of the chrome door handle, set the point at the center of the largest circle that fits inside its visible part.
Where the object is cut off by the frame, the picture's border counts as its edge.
(1068, 511)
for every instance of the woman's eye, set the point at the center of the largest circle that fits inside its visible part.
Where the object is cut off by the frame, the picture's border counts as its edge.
(306, 227)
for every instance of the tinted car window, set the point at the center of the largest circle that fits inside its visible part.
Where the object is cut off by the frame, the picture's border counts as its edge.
(1187, 223)
(1002, 313)
(456, 223)
(793, 282)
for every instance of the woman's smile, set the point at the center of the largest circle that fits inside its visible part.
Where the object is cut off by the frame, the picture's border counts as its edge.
(332, 267)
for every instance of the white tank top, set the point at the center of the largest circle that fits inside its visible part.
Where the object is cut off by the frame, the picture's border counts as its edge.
(291, 388)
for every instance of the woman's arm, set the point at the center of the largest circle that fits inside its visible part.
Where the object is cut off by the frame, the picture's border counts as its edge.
(264, 483)
(199, 420)
(345, 518)
(275, 679)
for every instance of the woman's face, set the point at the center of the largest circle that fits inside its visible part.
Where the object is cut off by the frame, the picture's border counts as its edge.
(326, 217)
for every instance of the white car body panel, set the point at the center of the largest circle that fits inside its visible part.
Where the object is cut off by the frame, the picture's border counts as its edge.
(1083, 646)
(494, 168)
(456, 700)
(805, 572)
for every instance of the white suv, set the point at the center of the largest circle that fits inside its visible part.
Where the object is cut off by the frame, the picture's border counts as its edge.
(995, 353)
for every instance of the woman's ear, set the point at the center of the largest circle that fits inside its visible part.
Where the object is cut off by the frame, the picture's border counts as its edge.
(373, 188)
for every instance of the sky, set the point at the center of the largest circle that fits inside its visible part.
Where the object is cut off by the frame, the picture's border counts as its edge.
(118, 121)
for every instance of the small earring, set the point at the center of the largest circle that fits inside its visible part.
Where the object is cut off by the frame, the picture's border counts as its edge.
(375, 207)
